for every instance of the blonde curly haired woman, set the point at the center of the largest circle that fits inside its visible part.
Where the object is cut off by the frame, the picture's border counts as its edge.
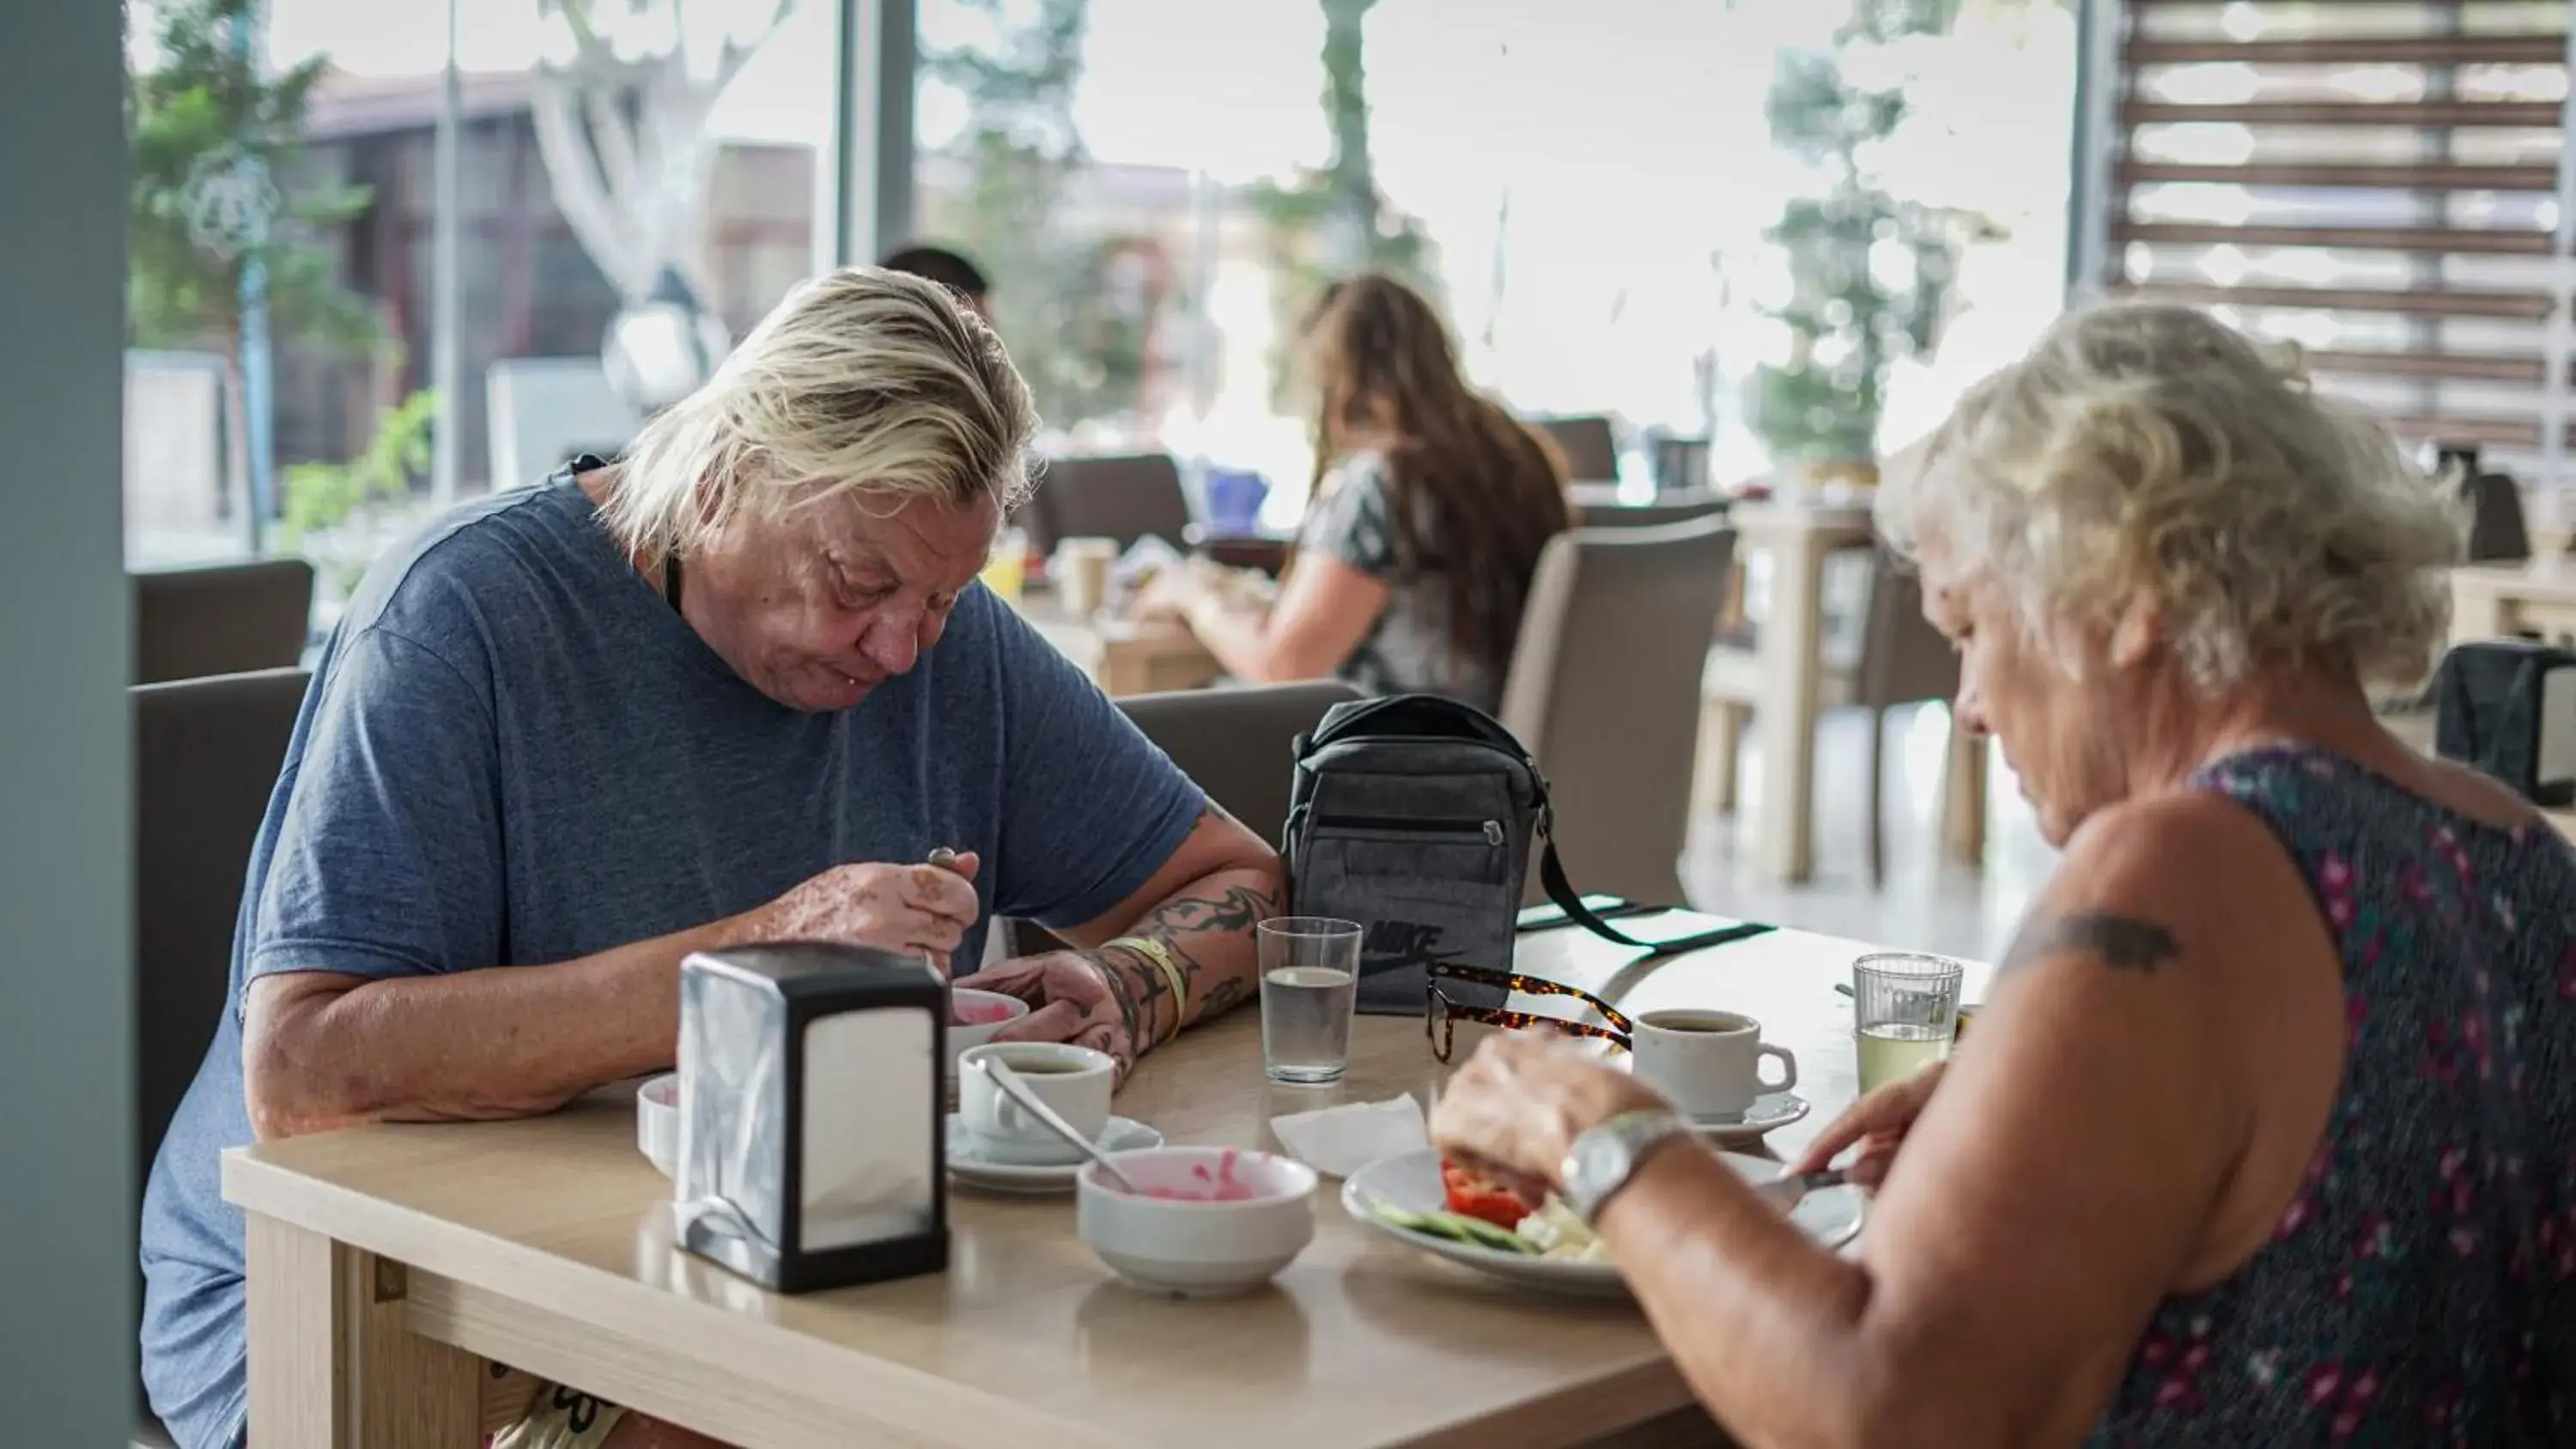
(2265, 1136)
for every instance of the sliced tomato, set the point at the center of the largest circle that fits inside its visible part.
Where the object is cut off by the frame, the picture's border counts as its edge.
(1475, 1195)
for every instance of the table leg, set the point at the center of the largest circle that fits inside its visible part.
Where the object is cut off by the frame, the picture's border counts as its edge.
(1791, 638)
(333, 1363)
(1963, 797)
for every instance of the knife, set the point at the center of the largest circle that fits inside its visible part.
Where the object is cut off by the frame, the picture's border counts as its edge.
(1786, 1189)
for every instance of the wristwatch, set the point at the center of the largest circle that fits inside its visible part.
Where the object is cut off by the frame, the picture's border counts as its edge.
(1603, 1159)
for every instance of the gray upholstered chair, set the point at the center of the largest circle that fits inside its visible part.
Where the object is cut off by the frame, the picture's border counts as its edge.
(2497, 533)
(1122, 496)
(1590, 447)
(1649, 515)
(1238, 744)
(206, 757)
(1604, 691)
(228, 619)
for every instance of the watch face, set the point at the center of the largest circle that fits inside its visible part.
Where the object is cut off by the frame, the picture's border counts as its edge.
(1600, 1158)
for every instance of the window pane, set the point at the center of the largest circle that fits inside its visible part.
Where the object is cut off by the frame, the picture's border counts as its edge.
(686, 141)
(1152, 187)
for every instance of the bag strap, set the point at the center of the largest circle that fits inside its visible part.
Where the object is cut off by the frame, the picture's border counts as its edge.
(1551, 876)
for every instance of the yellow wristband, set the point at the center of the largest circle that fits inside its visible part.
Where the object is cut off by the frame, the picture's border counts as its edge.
(1161, 955)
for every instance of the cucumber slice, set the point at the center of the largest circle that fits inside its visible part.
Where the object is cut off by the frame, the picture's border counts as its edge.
(1457, 1228)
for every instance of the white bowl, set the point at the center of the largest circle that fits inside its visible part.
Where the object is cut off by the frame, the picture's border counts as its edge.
(962, 1035)
(1197, 1248)
(657, 1121)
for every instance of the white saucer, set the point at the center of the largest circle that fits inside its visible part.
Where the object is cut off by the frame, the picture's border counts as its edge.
(1770, 1110)
(968, 1164)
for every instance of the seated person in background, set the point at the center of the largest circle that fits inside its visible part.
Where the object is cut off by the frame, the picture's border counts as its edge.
(1431, 505)
(735, 688)
(2264, 1134)
(948, 269)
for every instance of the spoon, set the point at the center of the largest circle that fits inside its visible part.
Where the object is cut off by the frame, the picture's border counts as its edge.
(1016, 1087)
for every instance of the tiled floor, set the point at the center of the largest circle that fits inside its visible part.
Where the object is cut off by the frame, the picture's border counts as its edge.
(1926, 903)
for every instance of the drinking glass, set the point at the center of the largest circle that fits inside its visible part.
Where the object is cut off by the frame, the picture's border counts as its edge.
(1905, 1014)
(1006, 570)
(1310, 987)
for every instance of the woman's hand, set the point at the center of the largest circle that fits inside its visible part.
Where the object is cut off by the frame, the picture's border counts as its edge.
(1518, 1104)
(1878, 1122)
(1171, 592)
(1071, 998)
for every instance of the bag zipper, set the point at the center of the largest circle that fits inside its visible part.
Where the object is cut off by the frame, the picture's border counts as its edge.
(1492, 830)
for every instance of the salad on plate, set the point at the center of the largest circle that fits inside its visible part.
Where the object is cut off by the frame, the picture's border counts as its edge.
(1486, 1213)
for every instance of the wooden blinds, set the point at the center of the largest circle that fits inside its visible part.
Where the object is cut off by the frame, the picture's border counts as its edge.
(2384, 183)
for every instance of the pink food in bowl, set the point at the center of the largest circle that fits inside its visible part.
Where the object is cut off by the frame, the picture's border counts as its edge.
(977, 1011)
(1222, 1175)
(1222, 1185)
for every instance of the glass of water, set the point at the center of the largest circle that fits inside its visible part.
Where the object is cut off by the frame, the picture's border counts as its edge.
(1905, 1013)
(1310, 985)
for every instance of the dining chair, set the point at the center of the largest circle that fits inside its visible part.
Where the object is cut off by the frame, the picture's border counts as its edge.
(206, 757)
(225, 619)
(1239, 745)
(2496, 530)
(1590, 447)
(1122, 496)
(1681, 465)
(1900, 659)
(1603, 691)
(1649, 515)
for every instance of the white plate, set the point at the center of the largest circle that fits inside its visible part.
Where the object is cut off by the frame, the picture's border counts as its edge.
(1770, 1111)
(1411, 1181)
(967, 1163)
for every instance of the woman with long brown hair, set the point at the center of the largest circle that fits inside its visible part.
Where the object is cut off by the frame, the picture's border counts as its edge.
(1431, 504)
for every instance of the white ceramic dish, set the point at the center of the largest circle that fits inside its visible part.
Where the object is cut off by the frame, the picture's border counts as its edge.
(1197, 1249)
(1769, 1112)
(972, 1165)
(657, 1121)
(962, 1035)
(1411, 1181)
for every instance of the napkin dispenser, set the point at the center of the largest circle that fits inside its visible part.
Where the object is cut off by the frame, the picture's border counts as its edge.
(2508, 707)
(810, 1152)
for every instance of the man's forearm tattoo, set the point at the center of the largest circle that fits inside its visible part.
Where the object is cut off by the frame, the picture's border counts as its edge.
(2123, 943)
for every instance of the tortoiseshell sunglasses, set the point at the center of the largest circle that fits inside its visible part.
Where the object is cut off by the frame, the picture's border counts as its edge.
(1440, 1015)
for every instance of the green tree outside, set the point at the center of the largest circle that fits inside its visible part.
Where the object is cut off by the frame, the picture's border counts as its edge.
(1078, 331)
(1327, 224)
(1871, 273)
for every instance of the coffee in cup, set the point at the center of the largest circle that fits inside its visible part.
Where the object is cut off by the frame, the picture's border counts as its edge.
(1074, 1080)
(1707, 1063)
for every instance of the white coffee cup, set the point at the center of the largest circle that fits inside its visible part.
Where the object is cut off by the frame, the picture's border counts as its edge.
(1707, 1063)
(1074, 1080)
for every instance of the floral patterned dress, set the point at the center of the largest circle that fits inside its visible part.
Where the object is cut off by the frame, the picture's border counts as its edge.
(2421, 1289)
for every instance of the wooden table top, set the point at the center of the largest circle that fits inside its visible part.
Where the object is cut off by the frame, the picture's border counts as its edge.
(1028, 1339)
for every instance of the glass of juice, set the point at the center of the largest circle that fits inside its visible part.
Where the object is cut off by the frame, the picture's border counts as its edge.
(1007, 569)
(1905, 1014)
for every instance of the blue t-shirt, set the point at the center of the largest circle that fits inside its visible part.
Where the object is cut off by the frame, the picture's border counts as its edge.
(514, 752)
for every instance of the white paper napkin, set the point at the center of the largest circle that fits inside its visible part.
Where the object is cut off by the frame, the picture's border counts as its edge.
(1339, 1141)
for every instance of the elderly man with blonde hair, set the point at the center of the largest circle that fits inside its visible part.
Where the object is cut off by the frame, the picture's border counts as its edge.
(735, 687)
